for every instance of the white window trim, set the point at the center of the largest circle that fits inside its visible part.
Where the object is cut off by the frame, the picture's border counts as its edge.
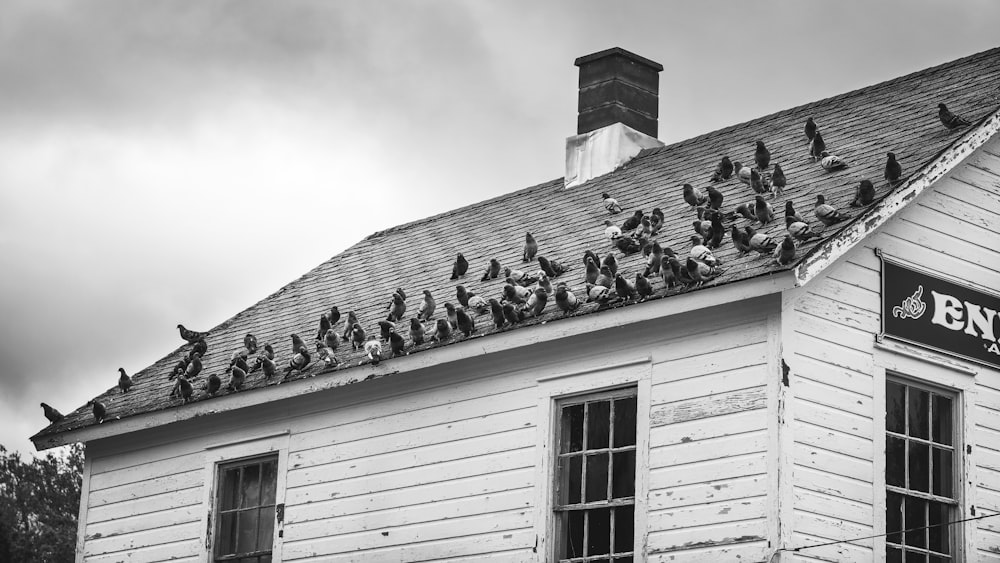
(553, 387)
(218, 454)
(903, 367)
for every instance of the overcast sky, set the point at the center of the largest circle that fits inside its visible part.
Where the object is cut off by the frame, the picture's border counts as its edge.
(167, 161)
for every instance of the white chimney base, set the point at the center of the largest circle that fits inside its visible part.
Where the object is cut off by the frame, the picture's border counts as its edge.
(594, 154)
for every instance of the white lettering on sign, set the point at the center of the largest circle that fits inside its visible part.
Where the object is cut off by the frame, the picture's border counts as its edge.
(979, 320)
(947, 311)
(993, 348)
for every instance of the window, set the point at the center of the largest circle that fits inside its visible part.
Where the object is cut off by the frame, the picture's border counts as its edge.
(595, 477)
(921, 488)
(245, 505)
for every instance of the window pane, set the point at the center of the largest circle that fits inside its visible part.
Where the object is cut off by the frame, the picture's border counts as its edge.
(626, 559)
(893, 555)
(266, 533)
(246, 539)
(895, 408)
(250, 489)
(625, 422)
(573, 533)
(597, 477)
(623, 475)
(227, 534)
(599, 531)
(919, 467)
(624, 529)
(895, 461)
(915, 557)
(572, 468)
(938, 514)
(229, 487)
(598, 420)
(894, 518)
(915, 518)
(941, 423)
(269, 482)
(935, 559)
(918, 414)
(572, 424)
(942, 472)
(265, 559)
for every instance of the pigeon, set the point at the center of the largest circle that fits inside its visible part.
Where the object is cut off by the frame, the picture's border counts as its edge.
(742, 172)
(702, 253)
(785, 253)
(566, 300)
(189, 335)
(611, 204)
(827, 214)
(511, 314)
(200, 347)
(330, 340)
(723, 171)
(951, 120)
(667, 273)
(654, 260)
(715, 198)
(441, 330)
(124, 381)
(466, 324)
(628, 245)
(763, 211)
(605, 278)
(492, 270)
(592, 271)
(357, 336)
(269, 351)
(324, 325)
(590, 254)
(237, 378)
(790, 213)
(397, 345)
(551, 268)
(632, 222)
(180, 367)
(497, 310)
(893, 171)
(463, 295)
(530, 248)
(184, 388)
(646, 226)
(864, 194)
(699, 272)
(757, 183)
(611, 230)
(760, 241)
(517, 277)
(642, 287)
(799, 230)
(810, 129)
(693, 196)
(385, 327)
(239, 359)
(250, 342)
(717, 234)
(741, 242)
(373, 349)
(299, 361)
(816, 146)
(213, 384)
(656, 219)
(417, 331)
(778, 181)
(831, 162)
(352, 319)
(598, 294)
(334, 315)
(544, 282)
(268, 364)
(611, 263)
(762, 156)
(297, 343)
(536, 302)
(99, 411)
(625, 289)
(51, 414)
(460, 267)
(193, 368)
(747, 211)
(397, 308)
(452, 315)
(426, 310)
(515, 294)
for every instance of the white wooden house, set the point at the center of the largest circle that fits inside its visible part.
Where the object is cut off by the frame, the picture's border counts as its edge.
(761, 416)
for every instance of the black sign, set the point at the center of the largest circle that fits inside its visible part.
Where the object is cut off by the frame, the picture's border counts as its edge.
(935, 313)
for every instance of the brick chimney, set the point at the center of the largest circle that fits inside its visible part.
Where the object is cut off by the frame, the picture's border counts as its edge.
(618, 109)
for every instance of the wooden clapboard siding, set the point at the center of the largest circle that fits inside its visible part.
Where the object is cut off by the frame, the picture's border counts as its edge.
(708, 492)
(952, 229)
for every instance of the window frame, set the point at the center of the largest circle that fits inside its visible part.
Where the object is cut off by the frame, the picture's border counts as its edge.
(222, 455)
(633, 373)
(221, 469)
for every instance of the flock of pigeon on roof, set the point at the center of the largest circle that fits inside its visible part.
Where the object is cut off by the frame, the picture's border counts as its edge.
(526, 295)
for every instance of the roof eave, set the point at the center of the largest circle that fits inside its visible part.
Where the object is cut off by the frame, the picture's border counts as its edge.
(825, 254)
(464, 349)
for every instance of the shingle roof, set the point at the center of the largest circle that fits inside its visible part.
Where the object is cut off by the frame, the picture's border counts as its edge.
(899, 115)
